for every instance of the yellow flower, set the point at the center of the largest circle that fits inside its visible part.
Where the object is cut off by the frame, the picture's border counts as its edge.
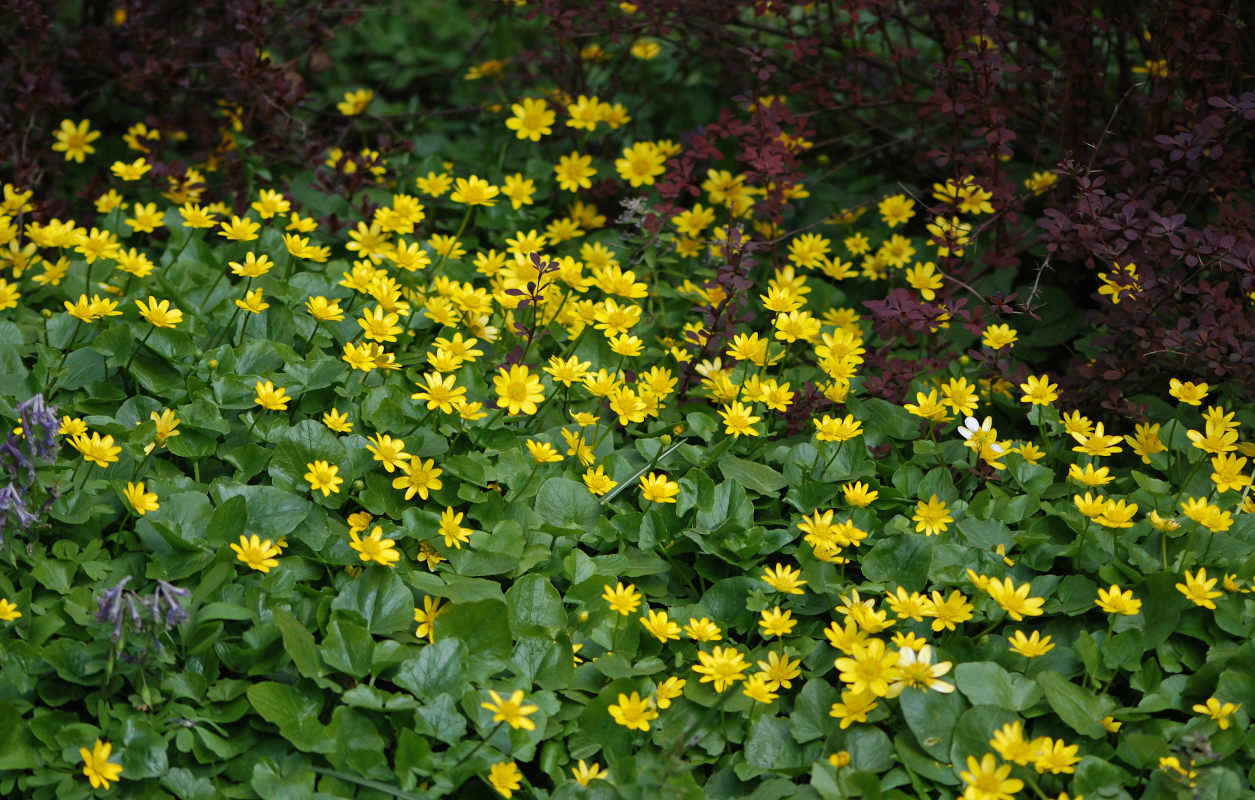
(375, 548)
(1098, 443)
(896, 209)
(854, 707)
(421, 478)
(985, 780)
(1198, 588)
(140, 500)
(254, 266)
(97, 449)
(722, 667)
(253, 302)
(355, 102)
(1117, 514)
(159, 313)
(660, 626)
(738, 420)
(702, 630)
(584, 773)
(1089, 476)
(543, 452)
(858, 494)
(927, 406)
(8, 611)
(96, 765)
(623, 599)
(257, 553)
(337, 421)
(1039, 391)
(324, 310)
(641, 163)
(632, 712)
(574, 172)
(512, 712)
(829, 429)
(997, 337)
(670, 689)
(1188, 392)
(1220, 713)
(505, 777)
(518, 391)
(239, 229)
(474, 191)
(656, 488)
(1014, 599)
(1030, 646)
(779, 670)
(130, 172)
(269, 397)
(451, 528)
(426, 617)
(758, 689)
(598, 482)
(74, 139)
(775, 622)
(1118, 601)
(324, 477)
(931, 517)
(388, 451)
(532, 119)
(869, 669)
(786, 580)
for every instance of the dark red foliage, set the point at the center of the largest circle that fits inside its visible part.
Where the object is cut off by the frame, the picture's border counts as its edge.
(173, 65)
(1141, 109)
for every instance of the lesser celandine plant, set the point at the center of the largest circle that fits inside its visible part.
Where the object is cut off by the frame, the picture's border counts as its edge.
(496, 475)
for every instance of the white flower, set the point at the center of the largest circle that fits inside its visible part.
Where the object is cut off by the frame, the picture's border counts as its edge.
(917, 670)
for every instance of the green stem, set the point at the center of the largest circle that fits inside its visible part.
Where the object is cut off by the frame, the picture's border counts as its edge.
(475, 750)
(183, 246)
(527, 482)
(616, 491)
(135, 352)
(1189, 543)
(369, 783)
(824, 471)
(466, 218)
(309, 343)
(1080, 548)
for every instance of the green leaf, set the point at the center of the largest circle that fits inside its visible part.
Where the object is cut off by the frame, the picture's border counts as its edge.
(348, 648)
(986, 683)
(143, 750)
(767, 741)
(931, 716)
(899, 560)
(1079, 708)
(294, 711)
(378, 599)
(305, 442)
(974, 729)
(440, 720)
(358, 745)
(752, 475)
(567, 504)
(299, 644)
(533, 602)
(441, 668)
(271, 512)
(291, 781)
(485, 630)
(810, 718)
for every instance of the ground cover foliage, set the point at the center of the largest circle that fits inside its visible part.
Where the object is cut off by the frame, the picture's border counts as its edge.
(581, 404)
